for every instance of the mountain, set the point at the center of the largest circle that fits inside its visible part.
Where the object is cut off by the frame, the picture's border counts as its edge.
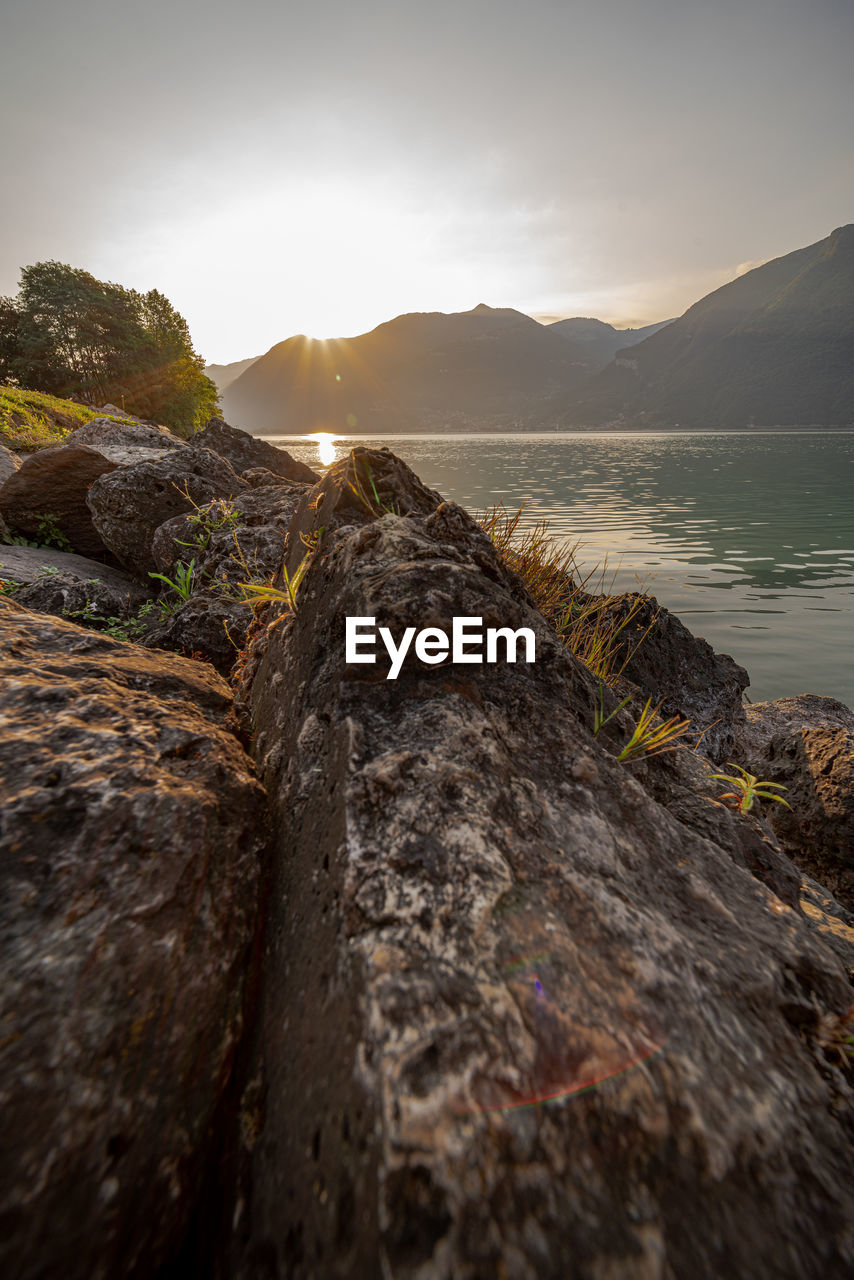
(224, 374)
(473, 370)
(600, 341)
(775, 347)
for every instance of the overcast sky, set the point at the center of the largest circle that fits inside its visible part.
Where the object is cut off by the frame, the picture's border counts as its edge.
(278, 168)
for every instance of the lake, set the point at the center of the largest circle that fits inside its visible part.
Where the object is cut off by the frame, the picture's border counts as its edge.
(747, 536)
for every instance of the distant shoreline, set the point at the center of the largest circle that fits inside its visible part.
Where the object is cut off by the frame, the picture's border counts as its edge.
(564, 431)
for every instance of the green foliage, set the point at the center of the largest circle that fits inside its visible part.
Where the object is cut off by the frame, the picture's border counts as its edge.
(128, 628)
(651, 740)
(206, 521)
(34, 420)
(182, 583)
(68, 333)
(748, 788)
(49, 534)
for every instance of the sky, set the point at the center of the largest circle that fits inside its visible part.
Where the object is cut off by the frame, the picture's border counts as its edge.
(276, 168)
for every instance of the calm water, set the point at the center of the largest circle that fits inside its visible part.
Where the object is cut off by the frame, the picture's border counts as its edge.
(748, 537)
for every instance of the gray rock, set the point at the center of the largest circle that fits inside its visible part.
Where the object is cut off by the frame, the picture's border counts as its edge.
(129, 505)
(130, 868)
(245, 451)
(125, 443)
(231, 544)
(88, 602)
(807, 745)
(477, 909)
(27, 564)
(9, 463)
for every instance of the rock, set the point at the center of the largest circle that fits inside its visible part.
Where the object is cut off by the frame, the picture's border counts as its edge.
(245, 451)
(5, 532)
(9, 463)
(476, 909)
(28, 564)
(241, 541)
(53, 484)
(679, 670)
(807, 745)
(130, 863)
(261, 478)
(129, 505)
(89, 602)
(125, 443)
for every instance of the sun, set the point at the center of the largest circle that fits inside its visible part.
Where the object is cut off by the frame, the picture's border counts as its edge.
(326, 451)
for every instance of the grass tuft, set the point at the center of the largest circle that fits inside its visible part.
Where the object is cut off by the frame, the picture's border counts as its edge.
(34, 420)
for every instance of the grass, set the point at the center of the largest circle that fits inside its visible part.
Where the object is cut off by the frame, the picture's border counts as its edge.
(577, 607)
(649, 739)
(32, 420)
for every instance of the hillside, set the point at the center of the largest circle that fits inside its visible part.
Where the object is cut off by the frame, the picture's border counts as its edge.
(599, 341)
(775, 347)
(34, 420)
(482, 369)
(222, 375)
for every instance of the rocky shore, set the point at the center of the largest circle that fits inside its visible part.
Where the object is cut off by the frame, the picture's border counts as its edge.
(311, 973)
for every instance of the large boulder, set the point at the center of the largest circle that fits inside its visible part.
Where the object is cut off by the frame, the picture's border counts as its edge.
(806, 744)
(129, 505)
(129, 853)
(48, 493)
(518, 1017)
(125, 443)
(9, 463)
(245, 451)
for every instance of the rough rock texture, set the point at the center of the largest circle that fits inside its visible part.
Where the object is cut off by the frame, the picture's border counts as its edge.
(27, 564)
(129, 853)
(89, 602)
(682, 671)
(244, 451)
(5, 532)
(131, 503)
(477, 908)
(9, 463)
(807, 744)
(125, 442)
(212, 622)
(54, 482)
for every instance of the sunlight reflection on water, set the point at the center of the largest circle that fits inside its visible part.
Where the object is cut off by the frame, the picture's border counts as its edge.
(752, 531)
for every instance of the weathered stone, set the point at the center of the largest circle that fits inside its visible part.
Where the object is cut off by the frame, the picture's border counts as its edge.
(89, 602)
(125, 443)
(247, 547)
(130, 861)
(807, 745)
(9, 463)
(27, 564)
(5, 532)
(129, 505)
(659, 654)
(476, 909)
(245, 451)
(54, 483)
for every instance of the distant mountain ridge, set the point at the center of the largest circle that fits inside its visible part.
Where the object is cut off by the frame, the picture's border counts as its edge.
(484, 369)
(224, 374)
(775, 347)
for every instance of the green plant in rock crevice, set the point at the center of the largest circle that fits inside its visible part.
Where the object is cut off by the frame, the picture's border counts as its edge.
(650, 740)
(183, 580)
(748, 788)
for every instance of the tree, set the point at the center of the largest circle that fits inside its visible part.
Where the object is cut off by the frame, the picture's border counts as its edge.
(69, 334)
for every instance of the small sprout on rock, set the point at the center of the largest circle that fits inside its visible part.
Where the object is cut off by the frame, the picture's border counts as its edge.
(265, 593)
(599, 717)
(748, 788)
(183, 580)
(647, 740)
